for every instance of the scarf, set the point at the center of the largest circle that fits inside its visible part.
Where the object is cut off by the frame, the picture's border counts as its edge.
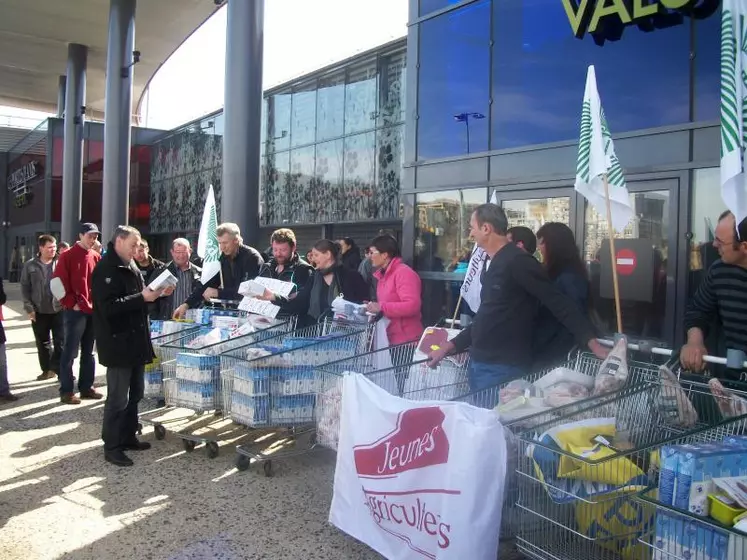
(317, 289)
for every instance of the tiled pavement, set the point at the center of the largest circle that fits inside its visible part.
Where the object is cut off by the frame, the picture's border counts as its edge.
(60, 500)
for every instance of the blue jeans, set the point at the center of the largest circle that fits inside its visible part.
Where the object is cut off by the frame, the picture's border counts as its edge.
(484, 376)
(78, 335)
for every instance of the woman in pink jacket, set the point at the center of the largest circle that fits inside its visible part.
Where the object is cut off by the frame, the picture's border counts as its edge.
(397, 292)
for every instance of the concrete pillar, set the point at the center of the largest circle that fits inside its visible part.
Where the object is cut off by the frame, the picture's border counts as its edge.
(62, 86)
(72, 162)
(243, 116)
(118, 116)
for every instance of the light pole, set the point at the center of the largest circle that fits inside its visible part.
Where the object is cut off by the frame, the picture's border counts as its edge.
(464, 117)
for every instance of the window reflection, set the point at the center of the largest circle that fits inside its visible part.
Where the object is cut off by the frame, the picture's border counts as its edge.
(389, 149)
(323, 198)
(330, 107)
(279, 122)
(535, 212)
(360, 178)
(392, 89)
(442, 242)
(360, 97)
(301, 177)
(454, 80)
(535, 52)
(276, 184)
(642, 309)
(303, 115)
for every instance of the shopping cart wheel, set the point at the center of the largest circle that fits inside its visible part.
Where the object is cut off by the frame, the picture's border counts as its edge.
(242, 462)
(212, 449)
(159, 431)
(267, 467)
(189, 445)
(139, 429)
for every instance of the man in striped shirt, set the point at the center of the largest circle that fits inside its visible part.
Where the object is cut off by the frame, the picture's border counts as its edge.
(187, 273)
(721, 296)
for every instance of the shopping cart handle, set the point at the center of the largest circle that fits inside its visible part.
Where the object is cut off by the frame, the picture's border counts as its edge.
(668, 352)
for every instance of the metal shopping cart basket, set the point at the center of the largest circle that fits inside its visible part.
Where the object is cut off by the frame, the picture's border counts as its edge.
(582, 472)
(394, 370)
(273, 384)
(191, 375)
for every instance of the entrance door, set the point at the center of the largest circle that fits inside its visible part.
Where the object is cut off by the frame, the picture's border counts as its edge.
(650, 315)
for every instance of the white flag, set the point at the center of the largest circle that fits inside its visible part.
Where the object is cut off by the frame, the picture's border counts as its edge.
(596, 158)
(733, 109)
(207, 243)
(472, 284)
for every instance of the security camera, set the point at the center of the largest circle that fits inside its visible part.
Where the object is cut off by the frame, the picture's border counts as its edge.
(135, 57)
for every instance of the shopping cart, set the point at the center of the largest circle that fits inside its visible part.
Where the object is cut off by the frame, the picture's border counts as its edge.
(273, 384)
(581, 474)
(191, 375)
(394, 370)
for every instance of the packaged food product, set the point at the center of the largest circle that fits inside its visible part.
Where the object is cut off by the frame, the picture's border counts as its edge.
(613, 373)
(565, 393)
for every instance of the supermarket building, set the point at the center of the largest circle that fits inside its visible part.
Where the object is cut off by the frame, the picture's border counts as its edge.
(482, 96)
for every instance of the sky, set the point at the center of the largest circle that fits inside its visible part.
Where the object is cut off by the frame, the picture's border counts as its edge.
(300, 36)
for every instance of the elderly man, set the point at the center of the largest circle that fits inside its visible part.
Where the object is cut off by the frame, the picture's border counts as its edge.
(147, 265)
(186, 272)
(42, 308)
(238, 263)
(721, 297)
(120, 319)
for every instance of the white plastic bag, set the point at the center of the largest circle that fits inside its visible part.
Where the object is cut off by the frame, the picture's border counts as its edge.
(418, 479)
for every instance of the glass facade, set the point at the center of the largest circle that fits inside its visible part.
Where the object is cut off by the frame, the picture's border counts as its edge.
(518, 64)
(334, 145)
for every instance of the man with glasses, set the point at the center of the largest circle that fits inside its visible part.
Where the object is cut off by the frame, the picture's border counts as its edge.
(721, 297)
(187, 274)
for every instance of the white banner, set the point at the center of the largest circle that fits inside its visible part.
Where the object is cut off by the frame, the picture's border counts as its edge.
(472, 285)
(418, 479)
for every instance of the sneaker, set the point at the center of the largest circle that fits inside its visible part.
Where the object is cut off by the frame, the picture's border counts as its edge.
(91, 394)
(8, 397)
(69, 398)
(47, 375)
(137, 445)
(118, 458)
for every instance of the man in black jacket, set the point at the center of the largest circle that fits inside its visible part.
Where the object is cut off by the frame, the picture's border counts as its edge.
(286, 264)
(120, 319)
(513, 287)
(238, 263)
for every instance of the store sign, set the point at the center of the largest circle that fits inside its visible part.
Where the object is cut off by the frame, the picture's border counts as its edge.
(606, 19)
(18, 183)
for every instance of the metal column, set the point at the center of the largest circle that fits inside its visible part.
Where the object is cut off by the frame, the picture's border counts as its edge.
(118, 116)
(61, 96)
(72, 163)
(243, 115)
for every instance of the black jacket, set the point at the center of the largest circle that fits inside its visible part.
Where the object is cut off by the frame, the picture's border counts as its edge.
(244, 266)
(349, 284)
(513, 288)
(352, 259)
(120, 315)
(3, 299)
(297, 271)
(150, 272)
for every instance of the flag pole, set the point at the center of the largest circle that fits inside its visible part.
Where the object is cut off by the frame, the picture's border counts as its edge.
(456, 310)
(613, 254)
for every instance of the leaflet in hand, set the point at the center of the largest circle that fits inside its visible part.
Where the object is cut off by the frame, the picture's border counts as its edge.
(162, 281)
(276, 286)
(259, 307)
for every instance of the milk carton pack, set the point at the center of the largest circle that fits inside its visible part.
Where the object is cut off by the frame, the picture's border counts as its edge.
(698, 466)
(249, 410)
(296, 409)
(248, 380)
(670, 460)
(668, 536)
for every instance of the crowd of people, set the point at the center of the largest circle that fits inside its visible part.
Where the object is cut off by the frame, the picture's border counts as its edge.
(532, 312)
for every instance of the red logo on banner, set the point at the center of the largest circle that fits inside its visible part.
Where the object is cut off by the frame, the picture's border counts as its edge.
(418, 441)
(626, 262)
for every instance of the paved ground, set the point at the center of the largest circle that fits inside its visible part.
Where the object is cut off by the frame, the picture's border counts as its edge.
(60, 500)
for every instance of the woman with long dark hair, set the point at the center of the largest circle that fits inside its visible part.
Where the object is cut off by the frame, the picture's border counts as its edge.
(562, 261)
(330, 279)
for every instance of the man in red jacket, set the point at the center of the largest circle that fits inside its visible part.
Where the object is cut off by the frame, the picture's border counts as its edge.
(72, 283)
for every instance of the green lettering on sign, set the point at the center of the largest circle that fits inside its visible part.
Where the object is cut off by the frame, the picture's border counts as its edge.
(606, 19)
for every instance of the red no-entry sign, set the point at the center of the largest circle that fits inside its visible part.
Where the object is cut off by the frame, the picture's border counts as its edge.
(626, 262)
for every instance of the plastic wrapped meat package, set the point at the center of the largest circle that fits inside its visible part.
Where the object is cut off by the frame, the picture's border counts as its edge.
(730, 404)
(328, 409)
(565, 393)
(613, 373)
